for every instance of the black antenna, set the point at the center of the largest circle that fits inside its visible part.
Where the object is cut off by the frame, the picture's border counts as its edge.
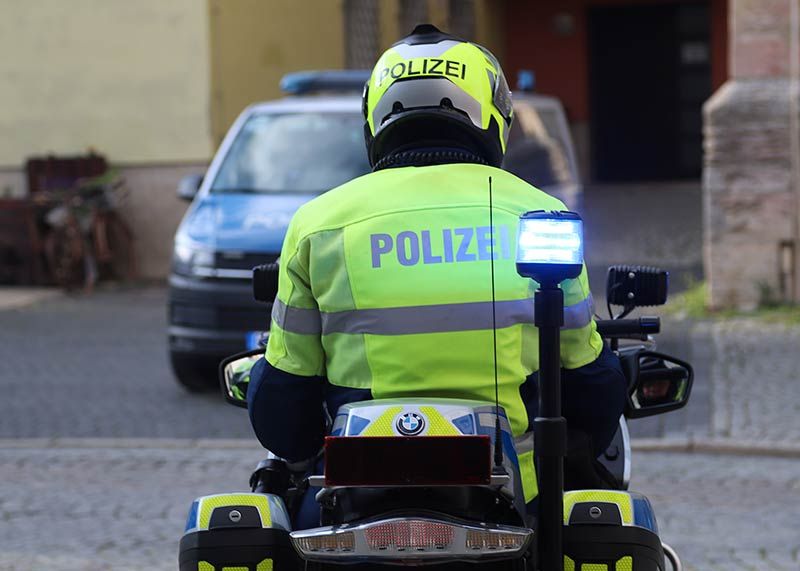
(498, 433)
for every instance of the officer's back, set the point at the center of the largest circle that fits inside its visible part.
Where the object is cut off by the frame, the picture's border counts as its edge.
(398, 263)
(385, 286)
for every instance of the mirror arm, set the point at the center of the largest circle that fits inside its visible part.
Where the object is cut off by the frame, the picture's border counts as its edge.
(626, 310)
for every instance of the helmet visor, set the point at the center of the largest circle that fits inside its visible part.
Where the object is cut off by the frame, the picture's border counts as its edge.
(501, 97)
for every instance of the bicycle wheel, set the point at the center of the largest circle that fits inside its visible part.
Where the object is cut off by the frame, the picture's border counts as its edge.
(113, 246)
(65, 253)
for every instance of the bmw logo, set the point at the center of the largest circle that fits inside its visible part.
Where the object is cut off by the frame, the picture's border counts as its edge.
(410, 424)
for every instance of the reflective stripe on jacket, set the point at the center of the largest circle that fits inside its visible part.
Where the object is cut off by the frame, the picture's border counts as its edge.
(385, 285)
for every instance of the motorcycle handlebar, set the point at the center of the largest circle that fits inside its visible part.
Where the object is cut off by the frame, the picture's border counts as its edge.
(629, 327)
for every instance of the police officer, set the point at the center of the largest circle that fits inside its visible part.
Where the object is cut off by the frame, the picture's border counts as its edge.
(384, 286)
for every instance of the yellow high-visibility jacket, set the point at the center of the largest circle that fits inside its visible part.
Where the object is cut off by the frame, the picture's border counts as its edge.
(385, 285)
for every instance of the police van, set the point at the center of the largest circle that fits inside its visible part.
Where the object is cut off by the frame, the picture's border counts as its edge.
(276, 156)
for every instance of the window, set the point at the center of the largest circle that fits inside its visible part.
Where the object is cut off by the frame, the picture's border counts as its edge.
(294, 152)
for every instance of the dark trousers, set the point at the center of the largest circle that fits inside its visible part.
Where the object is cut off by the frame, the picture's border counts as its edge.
(593, 399)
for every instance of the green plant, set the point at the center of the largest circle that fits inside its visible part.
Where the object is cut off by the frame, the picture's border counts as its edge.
(691, 304)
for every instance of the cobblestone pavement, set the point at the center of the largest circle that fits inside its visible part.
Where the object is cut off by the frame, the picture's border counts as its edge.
(124, 510)
(725, 512)
(97, 366)
(92, 510)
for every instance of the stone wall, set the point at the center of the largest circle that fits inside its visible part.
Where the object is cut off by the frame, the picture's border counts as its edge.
(748, 195)
(744, 392)
(750, 202)
(153, 211)
(753, 381)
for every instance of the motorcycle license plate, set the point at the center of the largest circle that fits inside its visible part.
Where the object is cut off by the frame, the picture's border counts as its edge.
(253, 339)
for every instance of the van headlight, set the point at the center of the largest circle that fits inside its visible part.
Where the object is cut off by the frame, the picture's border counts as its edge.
(191, 260)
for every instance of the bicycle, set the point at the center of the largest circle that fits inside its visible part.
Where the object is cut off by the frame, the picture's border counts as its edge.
(88, 240)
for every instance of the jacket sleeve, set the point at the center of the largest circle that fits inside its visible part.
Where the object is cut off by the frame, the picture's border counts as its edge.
(581, 344)
(285, 396)
(295, 344)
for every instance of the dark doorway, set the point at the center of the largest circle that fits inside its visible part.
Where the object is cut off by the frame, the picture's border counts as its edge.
(649, 74)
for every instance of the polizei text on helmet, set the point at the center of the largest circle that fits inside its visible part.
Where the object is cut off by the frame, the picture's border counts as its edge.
(423, 66)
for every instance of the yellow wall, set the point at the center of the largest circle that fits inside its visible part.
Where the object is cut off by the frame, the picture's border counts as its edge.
(129, 78)
(149, 81)
(389, 24)
(490, 26)
(255, 42)
(489, 23)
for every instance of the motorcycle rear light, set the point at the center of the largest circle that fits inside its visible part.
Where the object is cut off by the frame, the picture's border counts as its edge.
(485, 540)
(334, 543)
(411, 541)
(417, 535)
(408, 461)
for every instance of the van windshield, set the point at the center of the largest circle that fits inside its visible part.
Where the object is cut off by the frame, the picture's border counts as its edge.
(294, 152)
(538, 147)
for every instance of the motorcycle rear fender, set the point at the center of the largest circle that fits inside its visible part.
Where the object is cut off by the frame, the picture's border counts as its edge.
(436, 417)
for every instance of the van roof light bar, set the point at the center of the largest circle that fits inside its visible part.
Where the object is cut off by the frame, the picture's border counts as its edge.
(343, 80)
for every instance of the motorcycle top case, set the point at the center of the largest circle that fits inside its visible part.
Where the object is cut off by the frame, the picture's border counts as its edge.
(242, 531)
(609, 530)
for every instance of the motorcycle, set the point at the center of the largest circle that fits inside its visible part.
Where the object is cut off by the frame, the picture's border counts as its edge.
(437, 482)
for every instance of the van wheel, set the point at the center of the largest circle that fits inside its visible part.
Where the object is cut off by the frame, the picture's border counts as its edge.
(195, 373)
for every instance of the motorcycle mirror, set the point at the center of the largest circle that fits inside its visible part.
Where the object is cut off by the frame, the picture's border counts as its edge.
(234, 376)
(661, 384)
(636, 286)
